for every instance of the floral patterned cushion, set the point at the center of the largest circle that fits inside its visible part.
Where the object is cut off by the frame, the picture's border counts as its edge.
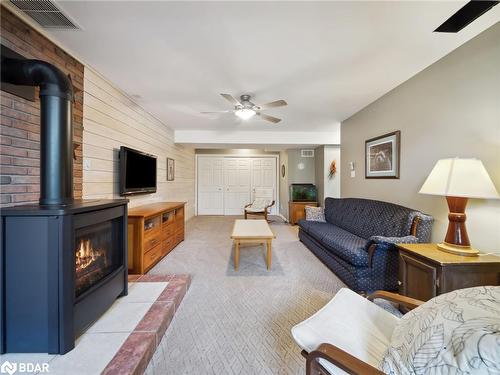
(454, 333)
(315, 214)
(259, 205)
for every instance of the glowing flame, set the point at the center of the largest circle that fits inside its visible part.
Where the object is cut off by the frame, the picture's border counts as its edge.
(86, 255)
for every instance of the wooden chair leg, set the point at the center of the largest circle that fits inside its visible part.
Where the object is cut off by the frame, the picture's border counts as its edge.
(245, 214)
(313, 367)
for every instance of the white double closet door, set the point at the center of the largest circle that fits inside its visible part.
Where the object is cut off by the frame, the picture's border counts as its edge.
(227, 184)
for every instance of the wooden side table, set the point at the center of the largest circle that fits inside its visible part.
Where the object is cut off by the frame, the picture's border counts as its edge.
(425, 271)
(297, 210)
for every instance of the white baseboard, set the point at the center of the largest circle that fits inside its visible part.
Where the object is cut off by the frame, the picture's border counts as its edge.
(284, 218)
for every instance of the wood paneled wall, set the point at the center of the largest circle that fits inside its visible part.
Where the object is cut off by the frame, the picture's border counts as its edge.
(20, 118)
(112, 119)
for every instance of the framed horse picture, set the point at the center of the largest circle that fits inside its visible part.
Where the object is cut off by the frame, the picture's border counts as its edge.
(382, 156)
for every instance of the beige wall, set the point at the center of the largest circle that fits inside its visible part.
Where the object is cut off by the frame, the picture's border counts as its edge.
(319, 173)
(450, 109)
(296, 175)
(112, 120)
(327, 187)
(284, 185)
(331, 185)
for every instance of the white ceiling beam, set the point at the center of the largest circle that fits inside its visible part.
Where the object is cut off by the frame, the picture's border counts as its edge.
(255, 138)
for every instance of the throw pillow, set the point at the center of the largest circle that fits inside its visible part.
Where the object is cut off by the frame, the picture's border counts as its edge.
(454, 333)
(315, 214)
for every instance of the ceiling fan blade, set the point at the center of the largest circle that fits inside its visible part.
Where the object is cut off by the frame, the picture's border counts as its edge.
(272, 119)
(276, 103)
(231, 99)
(207, 112)
(465, 15)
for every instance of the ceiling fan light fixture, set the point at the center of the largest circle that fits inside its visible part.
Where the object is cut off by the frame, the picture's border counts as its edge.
(245, 113)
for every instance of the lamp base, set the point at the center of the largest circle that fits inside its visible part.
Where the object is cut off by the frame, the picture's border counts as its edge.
(466, 251)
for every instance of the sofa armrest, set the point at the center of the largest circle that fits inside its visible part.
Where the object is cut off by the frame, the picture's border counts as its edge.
(339, 358)
(391, 240)
(421, 226)
(385, 243)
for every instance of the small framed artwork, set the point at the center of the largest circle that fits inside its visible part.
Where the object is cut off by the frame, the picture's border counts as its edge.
(382, 155)
(170, 169)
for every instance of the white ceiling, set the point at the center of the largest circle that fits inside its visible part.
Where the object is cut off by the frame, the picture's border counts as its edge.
(326, 59)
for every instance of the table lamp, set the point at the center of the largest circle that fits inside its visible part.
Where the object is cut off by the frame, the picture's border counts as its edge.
(458, 180)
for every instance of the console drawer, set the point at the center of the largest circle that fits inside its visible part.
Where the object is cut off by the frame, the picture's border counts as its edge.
(167, 245)
(151, 257)
(151, 242)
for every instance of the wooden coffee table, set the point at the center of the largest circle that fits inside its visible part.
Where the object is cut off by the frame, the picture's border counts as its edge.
(251, 231)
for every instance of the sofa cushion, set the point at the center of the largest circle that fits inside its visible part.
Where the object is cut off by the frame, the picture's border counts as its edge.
(366, 218)
(341, 243)
(306, 225)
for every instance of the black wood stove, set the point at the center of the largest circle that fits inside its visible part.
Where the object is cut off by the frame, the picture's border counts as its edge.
(63, 262)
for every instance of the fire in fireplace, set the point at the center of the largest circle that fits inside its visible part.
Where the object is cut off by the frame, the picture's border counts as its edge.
(62, 262)
(90, 263)
(95, 257)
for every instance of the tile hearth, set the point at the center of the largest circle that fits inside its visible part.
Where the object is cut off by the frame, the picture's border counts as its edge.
(124, 339)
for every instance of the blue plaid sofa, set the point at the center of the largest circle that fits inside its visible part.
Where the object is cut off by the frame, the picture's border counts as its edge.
(357, 241)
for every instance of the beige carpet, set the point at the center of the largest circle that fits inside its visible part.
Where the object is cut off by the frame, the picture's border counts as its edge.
(239, 322)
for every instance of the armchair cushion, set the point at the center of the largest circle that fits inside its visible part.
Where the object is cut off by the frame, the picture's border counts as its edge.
(259, 205)
(353, 324)
(454, 333)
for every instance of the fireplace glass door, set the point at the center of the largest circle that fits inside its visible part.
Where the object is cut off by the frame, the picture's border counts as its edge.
(97, 254)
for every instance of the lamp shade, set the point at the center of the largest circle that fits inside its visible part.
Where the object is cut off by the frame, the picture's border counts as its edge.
(457, 177)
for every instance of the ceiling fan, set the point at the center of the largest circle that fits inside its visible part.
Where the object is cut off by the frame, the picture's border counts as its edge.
(245, 109)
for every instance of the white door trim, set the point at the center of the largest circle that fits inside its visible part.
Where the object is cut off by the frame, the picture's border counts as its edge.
(197, 156)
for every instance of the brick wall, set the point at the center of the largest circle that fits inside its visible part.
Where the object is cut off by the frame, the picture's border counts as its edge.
(20, 118)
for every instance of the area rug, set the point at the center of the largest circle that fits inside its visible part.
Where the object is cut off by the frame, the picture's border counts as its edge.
(239, 322)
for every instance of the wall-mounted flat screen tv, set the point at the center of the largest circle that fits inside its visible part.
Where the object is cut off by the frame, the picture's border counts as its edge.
(137, 172)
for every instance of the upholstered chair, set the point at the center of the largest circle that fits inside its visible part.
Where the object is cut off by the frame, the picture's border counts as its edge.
(456, 332)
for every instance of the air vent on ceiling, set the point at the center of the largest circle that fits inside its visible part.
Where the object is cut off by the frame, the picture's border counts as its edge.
(307, 153)
(46, 13)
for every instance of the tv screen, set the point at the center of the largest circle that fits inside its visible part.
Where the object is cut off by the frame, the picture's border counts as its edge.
(137, 172)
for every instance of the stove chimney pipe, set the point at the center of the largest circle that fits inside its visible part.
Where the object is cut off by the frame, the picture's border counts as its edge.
(56, 138)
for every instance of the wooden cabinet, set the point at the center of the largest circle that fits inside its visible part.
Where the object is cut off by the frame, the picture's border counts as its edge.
(425, 271)
(153, 231)
(297, 210)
